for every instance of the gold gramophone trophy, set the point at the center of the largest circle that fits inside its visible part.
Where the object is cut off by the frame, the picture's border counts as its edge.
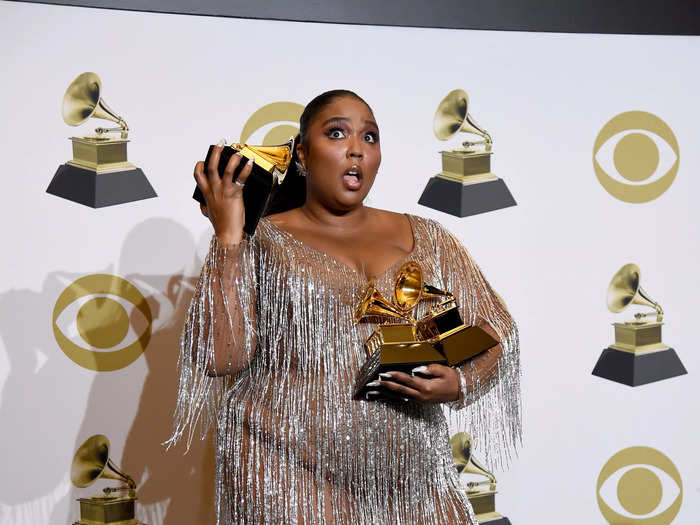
(90, 463)
(439, 337)
(270, 165)
(483, 500)
(638, 355)
(465, 186)
(99, 174)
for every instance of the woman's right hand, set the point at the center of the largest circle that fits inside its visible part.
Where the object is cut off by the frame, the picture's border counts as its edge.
(224, 197)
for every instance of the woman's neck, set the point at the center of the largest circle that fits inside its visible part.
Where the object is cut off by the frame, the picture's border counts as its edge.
(326, 218)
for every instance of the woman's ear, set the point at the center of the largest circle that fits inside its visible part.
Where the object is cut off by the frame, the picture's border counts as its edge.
(301, 153)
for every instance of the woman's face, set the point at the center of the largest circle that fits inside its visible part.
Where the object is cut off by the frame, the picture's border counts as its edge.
(341, 153)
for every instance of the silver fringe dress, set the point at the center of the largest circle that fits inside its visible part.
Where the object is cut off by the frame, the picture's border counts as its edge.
(292, 446)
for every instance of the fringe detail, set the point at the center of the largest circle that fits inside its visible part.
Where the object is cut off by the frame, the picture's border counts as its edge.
(492, 410)
(292, 445)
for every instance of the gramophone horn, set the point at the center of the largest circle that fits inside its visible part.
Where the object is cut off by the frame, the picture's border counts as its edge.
(462, 448)
(374, 303)
(409, 287)
(452, 116)
(625, 289)
(83, 101)
(91, 462)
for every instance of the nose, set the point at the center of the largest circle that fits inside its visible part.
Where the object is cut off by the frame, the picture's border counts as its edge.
(355, 148)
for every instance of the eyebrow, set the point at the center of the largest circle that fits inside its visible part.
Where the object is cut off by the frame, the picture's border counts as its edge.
(346, 119)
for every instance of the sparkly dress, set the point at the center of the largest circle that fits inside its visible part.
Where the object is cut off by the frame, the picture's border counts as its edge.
(292, 445)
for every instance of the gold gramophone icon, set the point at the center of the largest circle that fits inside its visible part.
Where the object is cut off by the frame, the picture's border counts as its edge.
(90, 463)
(466, 185)
(99, 174)
(483, 500)
(439, 337)
(638, 355)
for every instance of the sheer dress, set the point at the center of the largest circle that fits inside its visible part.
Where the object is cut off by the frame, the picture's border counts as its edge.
(273, 318)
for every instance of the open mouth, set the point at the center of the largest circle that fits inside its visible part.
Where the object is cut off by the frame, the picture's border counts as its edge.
(353, 177)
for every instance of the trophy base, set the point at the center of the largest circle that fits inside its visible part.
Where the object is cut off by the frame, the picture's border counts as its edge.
(107, 511)
(98, 190)
(462, 200)
(492, 520)
(638, 369)
(484, 505)
(396, 357)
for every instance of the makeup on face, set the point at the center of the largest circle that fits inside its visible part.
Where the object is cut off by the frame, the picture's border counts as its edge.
(344, 153)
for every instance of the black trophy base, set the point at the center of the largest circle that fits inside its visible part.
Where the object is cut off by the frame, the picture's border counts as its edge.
(98, 190)
(634, 370)
(462, 200)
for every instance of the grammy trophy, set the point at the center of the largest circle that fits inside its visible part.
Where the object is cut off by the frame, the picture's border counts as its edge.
(465, 186)
(638, 355)
(270, 164)
(90, 463)
(439, 337)
(482, 499)
(99, 174)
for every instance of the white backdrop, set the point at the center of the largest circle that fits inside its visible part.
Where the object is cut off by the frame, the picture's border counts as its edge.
(184, 82)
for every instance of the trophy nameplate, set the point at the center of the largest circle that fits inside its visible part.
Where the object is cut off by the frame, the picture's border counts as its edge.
(99, 174)
(267, 173)
(466, 185)
(638, 356)
(440, 337)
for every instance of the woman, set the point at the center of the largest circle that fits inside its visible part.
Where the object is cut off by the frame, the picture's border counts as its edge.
(270, 351)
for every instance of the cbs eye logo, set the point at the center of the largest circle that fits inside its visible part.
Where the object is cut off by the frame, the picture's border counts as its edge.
(261, 122)
(639, 486)
(635, 156)
(109, 314)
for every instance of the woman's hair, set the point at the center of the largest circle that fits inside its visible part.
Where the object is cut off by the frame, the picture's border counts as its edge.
(292, 192)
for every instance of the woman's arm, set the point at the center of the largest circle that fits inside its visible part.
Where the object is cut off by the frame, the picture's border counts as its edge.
(219, 335)
(222, 321)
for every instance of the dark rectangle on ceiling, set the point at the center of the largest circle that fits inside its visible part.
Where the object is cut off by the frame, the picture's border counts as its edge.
(668, 17)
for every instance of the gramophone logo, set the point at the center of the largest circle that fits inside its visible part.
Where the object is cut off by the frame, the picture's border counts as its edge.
(466, 185)
(636, 157)
(285, 117)
(638, 356)
(106, 313)
(99, 174)
(639, 486)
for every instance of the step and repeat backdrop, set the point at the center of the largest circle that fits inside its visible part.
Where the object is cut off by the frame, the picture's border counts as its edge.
(590, 238)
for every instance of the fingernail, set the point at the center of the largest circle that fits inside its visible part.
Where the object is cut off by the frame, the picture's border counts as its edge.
(222, 142)
(385, 375)
(405, 399)
(371, 393)
(374, 383)
(238, 154)
(419, 369)
(250, 160)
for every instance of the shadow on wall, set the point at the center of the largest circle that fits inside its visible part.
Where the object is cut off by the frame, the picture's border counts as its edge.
(173, 488)
(33, 421)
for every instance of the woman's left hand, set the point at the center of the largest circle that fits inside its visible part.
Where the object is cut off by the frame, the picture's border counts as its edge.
(435, 384)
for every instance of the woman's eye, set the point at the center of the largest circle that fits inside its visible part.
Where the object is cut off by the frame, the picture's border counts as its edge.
(335, 133)
(371, 138)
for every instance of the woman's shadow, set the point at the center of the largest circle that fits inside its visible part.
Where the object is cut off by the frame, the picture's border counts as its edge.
(173, 488)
